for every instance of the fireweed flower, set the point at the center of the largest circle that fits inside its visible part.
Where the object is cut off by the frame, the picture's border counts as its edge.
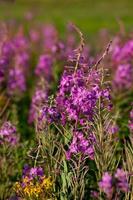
(123, 77)
(44, 66)
(81, 144)
(8, 134)
(32, 172)
(33, 183)
(16, 81)
(38, 99)
(75, 99)
(22, 59)
(20, 42)
(75, 104)
(4, 62)
(112, 184)
(49, 36)
(106, 184)
(121, 179)
(7, 52)
(47, 115)
(122, 53)
(78, 94)
(17, 74)
(112, 129)
(8, 49)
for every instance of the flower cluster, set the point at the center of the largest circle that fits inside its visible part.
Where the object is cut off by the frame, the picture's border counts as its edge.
(7, 51)
(33, 183)
(38, 99)
(122, 61)
(123, 76)
(111, 184)
(44, 66)
(77, 97)
(122, 52)
(16, 81)
(81, 145)
(8, 134)
(19, 66)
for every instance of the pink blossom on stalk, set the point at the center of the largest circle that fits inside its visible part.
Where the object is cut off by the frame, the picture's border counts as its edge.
(8, 49)
(106, 184)
(20, 43)
(22, 59)
(123, 78)
(38, 98)
(32, 172)
(49, 36)
(122, 53)
(121, 177)
(111, 185)
(8, 134)
(81, 144)
(16, 81)
(4, 62)
(44, 66)
(113, 129)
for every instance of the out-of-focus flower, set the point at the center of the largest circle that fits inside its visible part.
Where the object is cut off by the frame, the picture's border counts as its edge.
(4, 62)
(8, 134)
(122, 53)
(113, 184)
(8, 49)
(38, 99)
(113, 129)
(123, 77)
(34, 35)
(50, 36)
(106, 184)
(94, 194)
(121, 178)
(44, 66)
(16, 81)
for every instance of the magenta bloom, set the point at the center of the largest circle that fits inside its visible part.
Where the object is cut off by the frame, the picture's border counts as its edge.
(44, 66)
(113, 129)
(81, 144)
(112, 185)
(106, 184)
(8, 134)
(121, 177)
(123, 78)
(38, 98)
(122, 53)
(16, 81)
(34, 172)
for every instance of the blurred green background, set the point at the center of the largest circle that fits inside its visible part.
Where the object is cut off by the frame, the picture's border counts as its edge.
(89, 15)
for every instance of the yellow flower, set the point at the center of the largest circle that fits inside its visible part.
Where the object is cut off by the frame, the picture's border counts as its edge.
(17, 187)
(25, 180)
(33, 189)
(47, 183)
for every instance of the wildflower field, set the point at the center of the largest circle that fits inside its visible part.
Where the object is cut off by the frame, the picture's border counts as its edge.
(66, 106)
